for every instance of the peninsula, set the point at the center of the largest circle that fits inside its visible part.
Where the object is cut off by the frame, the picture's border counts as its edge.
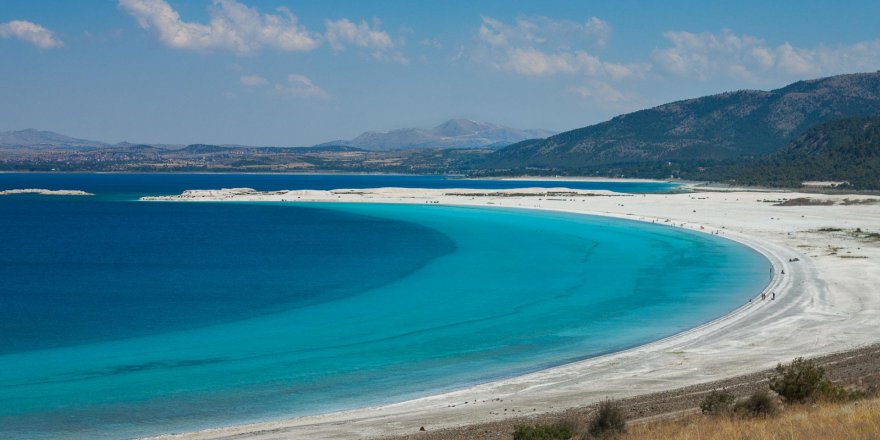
(45, 192)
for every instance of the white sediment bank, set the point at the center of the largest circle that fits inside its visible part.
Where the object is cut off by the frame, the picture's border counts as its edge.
(577, 179)
(45, 192)
(828, 300)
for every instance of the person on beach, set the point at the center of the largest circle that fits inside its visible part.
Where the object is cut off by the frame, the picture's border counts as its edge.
(772, 296)
(763, 296)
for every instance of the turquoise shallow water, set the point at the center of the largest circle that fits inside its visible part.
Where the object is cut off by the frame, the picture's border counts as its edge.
(460, 296)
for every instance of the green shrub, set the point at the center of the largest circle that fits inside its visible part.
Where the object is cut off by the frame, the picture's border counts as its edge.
(609, 420)
(800, 381)
(556, 431)
(759, 404)
(833, 393)
(718, 403)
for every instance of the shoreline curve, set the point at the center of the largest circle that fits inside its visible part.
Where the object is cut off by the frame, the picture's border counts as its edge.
(714, 350)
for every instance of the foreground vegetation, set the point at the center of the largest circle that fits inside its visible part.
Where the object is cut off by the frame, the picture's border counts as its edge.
(826, 420)
(853, 420)
(608, 421)
(798, 402)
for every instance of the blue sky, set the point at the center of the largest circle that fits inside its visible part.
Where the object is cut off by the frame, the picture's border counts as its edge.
(295, 73)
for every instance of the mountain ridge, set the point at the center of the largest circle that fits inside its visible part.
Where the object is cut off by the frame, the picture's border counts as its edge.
(453, 133)
(724, 126)
(40, 139)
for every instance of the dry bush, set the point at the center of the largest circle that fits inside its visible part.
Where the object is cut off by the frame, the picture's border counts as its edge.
(718, 403)
(609, 420)
(759, 404)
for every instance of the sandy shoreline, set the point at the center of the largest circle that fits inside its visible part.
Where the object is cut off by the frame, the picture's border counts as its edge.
(826, 302)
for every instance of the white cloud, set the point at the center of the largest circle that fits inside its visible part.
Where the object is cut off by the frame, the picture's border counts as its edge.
(233, 26)
(601, 91)
(701, 55)
(534, 62)
(763, 57)
(432, 42)
(31, 33)
(300, 86)
(494, 32)
(598, 29)
(239, 28)
(344, 32)
(539, 46)
(253, 81)
(544, 31)
(706, 55)
(796, 61)
(606, 96)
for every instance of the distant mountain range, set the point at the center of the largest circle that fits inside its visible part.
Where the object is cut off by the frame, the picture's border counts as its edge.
(454, 133)
(725, 127)
(821, 129)
(37, 139)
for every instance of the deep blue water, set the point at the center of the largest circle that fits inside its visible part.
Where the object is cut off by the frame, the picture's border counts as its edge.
(78, 271)
(121, 318)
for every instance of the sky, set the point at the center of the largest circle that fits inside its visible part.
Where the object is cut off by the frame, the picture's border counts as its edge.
(297, 73)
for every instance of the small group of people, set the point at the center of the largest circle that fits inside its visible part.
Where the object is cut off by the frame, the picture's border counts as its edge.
(764, 296)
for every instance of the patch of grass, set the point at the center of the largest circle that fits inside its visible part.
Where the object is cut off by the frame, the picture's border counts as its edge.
(827, 421)
(856, 233)
(865, 235)
(848, 201)
(805, 201)
(833, 393)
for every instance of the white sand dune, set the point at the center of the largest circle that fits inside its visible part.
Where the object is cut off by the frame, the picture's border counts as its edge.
(827, 301)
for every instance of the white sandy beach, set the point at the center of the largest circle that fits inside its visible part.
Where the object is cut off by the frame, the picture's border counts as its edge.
(574, 179)
(826, 302)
